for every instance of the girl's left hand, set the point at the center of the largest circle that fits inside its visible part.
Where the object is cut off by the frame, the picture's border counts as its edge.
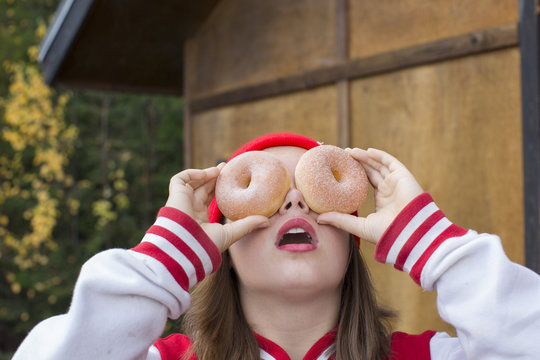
(394, 187)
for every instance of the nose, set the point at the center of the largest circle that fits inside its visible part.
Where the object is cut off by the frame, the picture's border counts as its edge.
(294, 201)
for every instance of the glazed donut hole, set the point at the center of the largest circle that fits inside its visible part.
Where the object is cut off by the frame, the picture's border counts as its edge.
(331, 180)
(252, 183)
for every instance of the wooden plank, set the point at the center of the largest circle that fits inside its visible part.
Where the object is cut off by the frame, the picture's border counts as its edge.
(344, 114)
(385, 25)
(342, 86)
(217, 133)
(245, 42)
(457, 126)
(464, 45)
(530, 89)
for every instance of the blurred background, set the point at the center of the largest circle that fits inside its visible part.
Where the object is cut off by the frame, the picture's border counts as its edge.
(80, 171)
(101, 103)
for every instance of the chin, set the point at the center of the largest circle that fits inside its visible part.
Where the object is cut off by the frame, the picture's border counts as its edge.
(306, 280)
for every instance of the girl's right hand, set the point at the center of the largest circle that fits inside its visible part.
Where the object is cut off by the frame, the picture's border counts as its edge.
(191, 192)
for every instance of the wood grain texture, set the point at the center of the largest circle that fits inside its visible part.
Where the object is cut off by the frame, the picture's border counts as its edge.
(218, 133)
(387, 25)
(247, 41)
(477, 42)
(457, 126)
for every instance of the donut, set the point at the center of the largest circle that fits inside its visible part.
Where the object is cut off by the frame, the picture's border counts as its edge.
(253, 183)
(331, 180)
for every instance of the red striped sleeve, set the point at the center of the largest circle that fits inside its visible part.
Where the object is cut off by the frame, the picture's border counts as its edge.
(172, 266)
(181, 245)
(198, 233)
(416, 233)
(399, 223)
(415, 238)
(451, 231)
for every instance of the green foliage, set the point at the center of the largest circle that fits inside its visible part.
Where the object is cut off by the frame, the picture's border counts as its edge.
(80, 172)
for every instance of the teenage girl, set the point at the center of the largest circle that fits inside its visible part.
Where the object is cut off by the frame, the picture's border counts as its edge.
(257, 300)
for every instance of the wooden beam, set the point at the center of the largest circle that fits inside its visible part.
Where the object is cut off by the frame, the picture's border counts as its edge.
(342, 86)
(70, 17)
(464, 45)
(530, 94)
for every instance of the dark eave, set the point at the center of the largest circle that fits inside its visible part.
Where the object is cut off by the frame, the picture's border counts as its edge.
(125, 45)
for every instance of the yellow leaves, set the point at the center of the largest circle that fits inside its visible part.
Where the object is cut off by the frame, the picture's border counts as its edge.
(41, 30)
(51, 163)
(73, 206)
(31, 293)
(121, 201)
(33, 52)
(10, 277)
(25, 316)
(34, 126)
(102, 209)
(16, 288)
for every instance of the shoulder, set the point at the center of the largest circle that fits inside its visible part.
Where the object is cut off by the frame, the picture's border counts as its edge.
(409, 347)
(174, 346)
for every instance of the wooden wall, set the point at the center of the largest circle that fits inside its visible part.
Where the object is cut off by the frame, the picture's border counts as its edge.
(436, 83)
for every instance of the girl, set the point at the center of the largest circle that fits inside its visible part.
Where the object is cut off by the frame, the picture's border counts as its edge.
(264, 301)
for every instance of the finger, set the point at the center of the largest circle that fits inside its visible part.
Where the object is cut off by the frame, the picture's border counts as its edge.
(366, 159)
(209, 174)
(374, 176)
(358, 154)
(234, 231)
(385, 159)
(189, 175)
(350, 223)
(206, 192)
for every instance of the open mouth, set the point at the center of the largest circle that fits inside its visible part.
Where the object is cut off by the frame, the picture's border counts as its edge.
(296, 235)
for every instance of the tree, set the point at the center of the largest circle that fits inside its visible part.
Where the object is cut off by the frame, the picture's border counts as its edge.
(80, 171)
(36, 144)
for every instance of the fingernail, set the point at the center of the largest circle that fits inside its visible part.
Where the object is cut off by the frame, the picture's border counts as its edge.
(321, 221)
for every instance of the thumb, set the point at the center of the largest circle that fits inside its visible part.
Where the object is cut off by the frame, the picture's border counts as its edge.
(234, 231)
(350, 223)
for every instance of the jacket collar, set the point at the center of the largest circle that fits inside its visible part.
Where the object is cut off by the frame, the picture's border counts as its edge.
(323, 349)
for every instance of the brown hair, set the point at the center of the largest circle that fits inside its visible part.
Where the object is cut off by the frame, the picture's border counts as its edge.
(218, 329)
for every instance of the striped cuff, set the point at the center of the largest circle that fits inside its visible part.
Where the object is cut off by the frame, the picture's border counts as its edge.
(182, 246)
(414, 235)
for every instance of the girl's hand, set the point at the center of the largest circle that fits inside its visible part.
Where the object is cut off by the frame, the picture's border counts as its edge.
(191, 191)
(394, 187)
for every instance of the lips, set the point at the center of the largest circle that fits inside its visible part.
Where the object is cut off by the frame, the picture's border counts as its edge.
(297, 235)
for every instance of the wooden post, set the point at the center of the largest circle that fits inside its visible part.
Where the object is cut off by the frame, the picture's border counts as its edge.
(530, 90)
(342, 86)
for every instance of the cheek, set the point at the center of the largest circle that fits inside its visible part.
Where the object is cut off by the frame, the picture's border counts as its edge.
(245, 253)
(338, 248)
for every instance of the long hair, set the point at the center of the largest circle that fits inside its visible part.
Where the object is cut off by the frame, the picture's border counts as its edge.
(216, 325)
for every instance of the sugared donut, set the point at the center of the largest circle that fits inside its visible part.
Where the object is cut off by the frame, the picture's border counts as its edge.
(331, 180)
(253, 183)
